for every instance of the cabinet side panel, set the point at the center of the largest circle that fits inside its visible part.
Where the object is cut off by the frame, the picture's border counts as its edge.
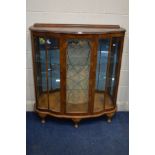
(33, 59)
(118, 67)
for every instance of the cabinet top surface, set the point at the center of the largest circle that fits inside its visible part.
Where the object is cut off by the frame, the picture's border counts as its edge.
(76, 28)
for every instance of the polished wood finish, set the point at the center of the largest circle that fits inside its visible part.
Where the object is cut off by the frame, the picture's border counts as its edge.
(76, 25)
(76, 28)
(34, 68)
(63, 74)
(55, 104)
(92, 75)
(99, 103)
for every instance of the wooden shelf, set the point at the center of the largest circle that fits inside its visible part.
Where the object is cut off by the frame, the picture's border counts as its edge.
(54, 103)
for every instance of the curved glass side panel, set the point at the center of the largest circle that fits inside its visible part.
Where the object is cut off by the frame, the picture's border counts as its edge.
(48, 60)
(113, 66)
(40, 67)
(77, 75)
(101, 70)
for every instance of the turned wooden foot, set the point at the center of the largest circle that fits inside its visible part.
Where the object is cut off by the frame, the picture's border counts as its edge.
(76, 125)
(109, 120)
(76, 122)
(110, 115)
(43, 121)
(42, 116)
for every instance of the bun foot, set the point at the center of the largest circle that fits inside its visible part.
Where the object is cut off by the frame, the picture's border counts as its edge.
(109, 120)
(76, 122)
(110, 115)
(43, 121)
(42, 116)
(76, 125)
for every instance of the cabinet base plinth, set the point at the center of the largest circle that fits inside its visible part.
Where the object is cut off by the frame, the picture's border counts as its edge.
(76, 118)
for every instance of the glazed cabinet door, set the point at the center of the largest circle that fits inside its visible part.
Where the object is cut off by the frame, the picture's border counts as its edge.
(78, 69)
(47, 73)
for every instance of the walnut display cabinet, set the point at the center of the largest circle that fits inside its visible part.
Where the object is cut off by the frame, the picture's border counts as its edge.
(76, 69)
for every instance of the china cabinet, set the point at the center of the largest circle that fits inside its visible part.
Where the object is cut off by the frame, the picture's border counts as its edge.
(76, 69)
